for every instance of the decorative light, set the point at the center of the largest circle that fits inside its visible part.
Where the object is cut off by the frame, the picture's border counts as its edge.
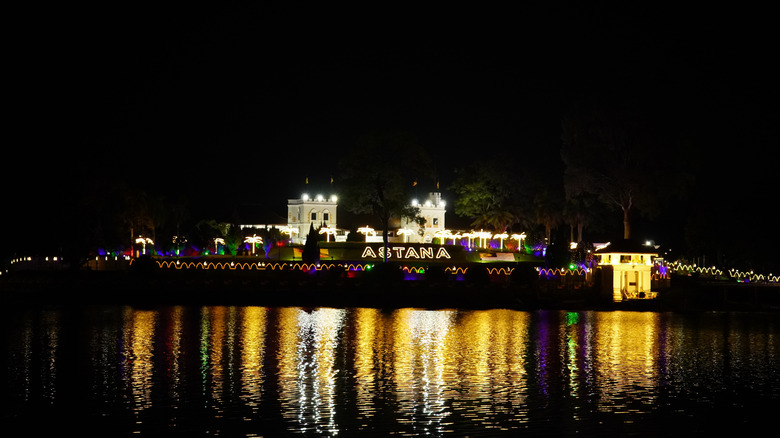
(218, 241)
(144, 241)
(519, 237)
(483, 236)
(366, 231)
(254, 240)
(406, 233)
(470, 236)
(501, 238)
(289, 231)
(328, 231)
(443, 235)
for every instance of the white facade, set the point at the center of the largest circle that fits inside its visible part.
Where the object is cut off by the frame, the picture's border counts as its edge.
(631, 272)
(318, 211)
(433, 210)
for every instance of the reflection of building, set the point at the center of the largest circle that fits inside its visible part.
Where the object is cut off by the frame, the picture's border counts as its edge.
(318, 211)
(432, 210)
(626, 269)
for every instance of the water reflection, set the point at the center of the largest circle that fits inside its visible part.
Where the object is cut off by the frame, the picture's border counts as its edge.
(330, 371)
(308, 367)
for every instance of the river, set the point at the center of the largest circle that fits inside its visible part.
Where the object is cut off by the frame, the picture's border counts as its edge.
(289, 371)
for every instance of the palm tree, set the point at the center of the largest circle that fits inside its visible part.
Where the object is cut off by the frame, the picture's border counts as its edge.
(547, 212)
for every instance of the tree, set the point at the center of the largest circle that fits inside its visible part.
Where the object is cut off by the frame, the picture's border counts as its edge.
(377, 176)
(485, 192)
(578, 211)
(617, 154)
(547, 212)
(311, 249)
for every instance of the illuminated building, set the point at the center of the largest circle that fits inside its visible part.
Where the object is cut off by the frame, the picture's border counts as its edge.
(626, 270)
(432, 210)
(318, 211)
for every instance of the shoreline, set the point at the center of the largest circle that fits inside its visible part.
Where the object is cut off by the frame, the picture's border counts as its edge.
(378, 290)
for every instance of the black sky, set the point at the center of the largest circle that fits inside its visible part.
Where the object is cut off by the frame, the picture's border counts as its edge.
(224, 103)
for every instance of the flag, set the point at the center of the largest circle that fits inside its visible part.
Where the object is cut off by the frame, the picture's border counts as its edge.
(414, 183)
(307, 180)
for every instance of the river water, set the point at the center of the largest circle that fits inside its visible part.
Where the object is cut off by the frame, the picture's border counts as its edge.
(255, 371)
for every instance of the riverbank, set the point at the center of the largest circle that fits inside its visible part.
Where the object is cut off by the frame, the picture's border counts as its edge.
(369, 289)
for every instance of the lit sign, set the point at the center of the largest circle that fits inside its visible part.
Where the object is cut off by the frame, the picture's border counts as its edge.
(407, 252)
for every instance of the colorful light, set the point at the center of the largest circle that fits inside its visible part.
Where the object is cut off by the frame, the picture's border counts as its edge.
(519, 237)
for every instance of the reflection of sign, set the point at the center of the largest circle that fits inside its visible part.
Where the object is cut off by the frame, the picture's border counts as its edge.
(407, 252)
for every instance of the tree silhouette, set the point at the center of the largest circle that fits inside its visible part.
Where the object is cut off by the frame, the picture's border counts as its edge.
(377, 176)
(485, 192)
(311, 249)
(619, 155)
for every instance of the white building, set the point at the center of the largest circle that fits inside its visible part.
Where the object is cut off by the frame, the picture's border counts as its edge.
(432, 210)
(626, 270)
(318, 211)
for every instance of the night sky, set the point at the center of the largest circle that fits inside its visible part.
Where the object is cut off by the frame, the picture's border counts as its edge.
(241, 105)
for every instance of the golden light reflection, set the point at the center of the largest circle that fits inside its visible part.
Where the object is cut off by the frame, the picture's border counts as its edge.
(487, 353)
(369, 359)
(404, 372)
(139, 338)
(626, 350)
(253, 323)
(173, 352)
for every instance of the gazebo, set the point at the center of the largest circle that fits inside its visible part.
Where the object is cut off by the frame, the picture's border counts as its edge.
(626, 267)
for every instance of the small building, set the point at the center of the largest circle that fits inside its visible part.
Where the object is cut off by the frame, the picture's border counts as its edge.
(626, 270)
(319, 211)
(433, 211)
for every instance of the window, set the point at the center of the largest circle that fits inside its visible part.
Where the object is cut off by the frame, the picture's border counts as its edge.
(435, 222)
(625, 258)
(314, 215)
(325, 216)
